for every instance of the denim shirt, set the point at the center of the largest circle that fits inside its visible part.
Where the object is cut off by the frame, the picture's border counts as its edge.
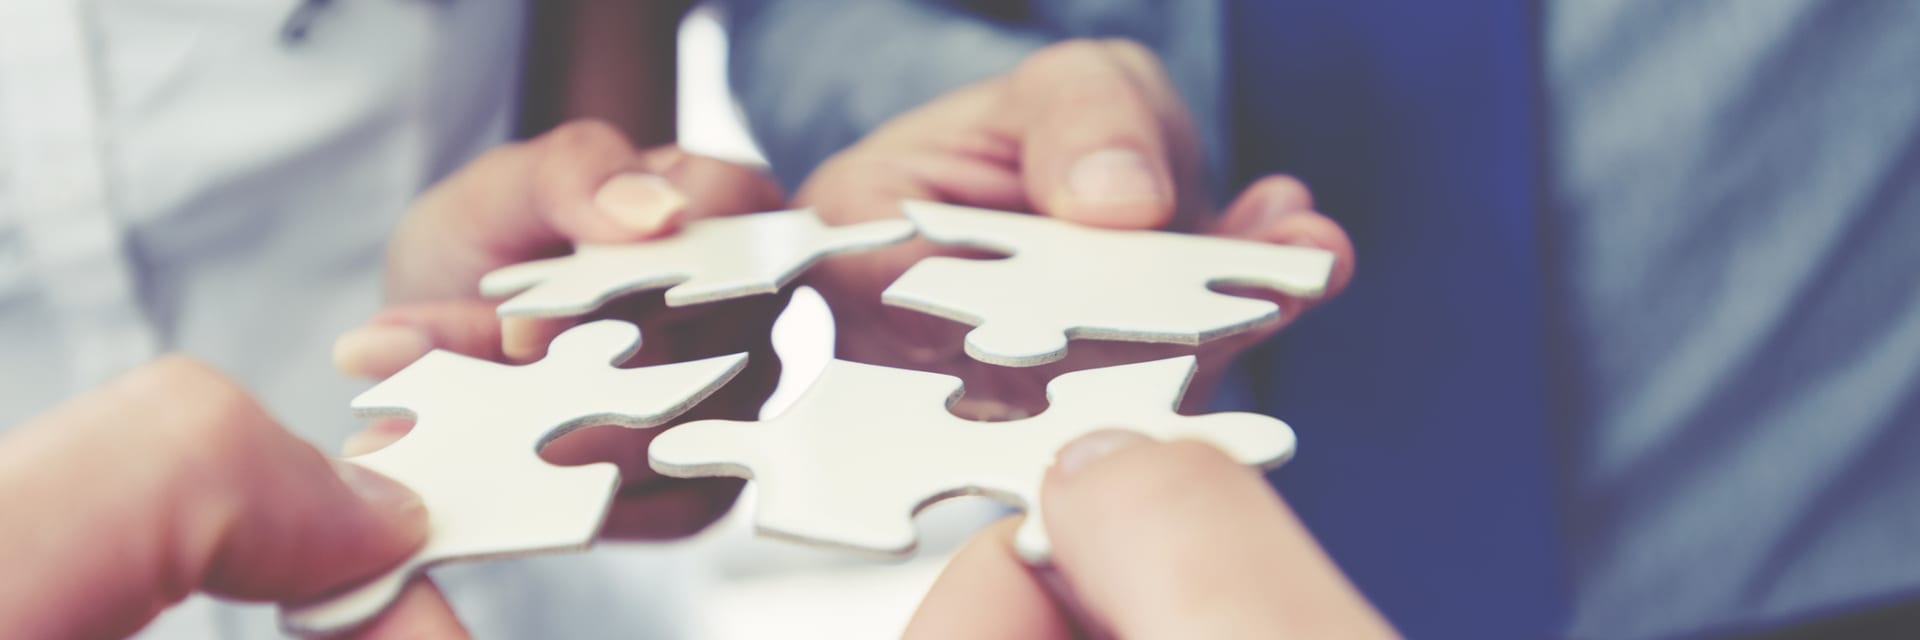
(1732, 242)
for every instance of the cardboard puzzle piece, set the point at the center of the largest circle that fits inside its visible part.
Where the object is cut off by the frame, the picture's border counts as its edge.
(472, 455)
(708, 260)
(867, 447)
(1067, 281)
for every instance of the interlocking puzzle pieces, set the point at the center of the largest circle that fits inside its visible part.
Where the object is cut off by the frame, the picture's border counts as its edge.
(867, 447)
(472, 455)
(708, 260)
(1067, 281)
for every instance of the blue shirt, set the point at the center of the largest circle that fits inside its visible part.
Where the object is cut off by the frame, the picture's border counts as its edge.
(1726, 225)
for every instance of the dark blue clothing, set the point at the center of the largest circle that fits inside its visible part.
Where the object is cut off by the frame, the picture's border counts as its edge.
(1419, 394)
(1644, 265)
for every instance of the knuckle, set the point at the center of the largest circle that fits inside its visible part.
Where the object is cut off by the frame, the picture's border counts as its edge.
(1066, 55)
(1097, 93)
(1130, 52)
(197, 409)
(1284, 186)
(1084, 66)
(503, 154)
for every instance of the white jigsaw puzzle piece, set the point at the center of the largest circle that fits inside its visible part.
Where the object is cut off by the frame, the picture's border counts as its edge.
(1066, 281)
(708, 260)
(473, 454)
(867, 447)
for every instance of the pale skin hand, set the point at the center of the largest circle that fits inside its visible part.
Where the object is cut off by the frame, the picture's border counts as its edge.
(171, 480)
(581, 182)
(1150, 540)
(1088, 131)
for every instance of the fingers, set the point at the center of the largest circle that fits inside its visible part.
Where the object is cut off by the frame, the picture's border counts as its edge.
(1279, 209)
(715, 187)
(590, 185)
(580, 182)
(1098, 146)
(858, 186)
(986, 575)
(399, 335)
(521, 201)
(172, 480)
(1177, 540)
(420, 612)
(1151, 540)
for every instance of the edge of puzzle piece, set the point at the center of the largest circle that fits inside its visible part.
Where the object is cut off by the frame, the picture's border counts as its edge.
(861, 410)
(743, 255)
(1020, 341)
(463, 526)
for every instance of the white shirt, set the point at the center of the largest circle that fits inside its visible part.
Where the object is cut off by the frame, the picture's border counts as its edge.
(175, 176)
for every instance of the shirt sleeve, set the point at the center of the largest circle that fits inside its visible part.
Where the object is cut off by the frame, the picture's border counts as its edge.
(814, 76)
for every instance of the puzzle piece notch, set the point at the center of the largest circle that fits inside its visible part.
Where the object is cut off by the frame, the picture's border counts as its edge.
(1063, 281)
(867, 447)
(473, 454)
(708, 260)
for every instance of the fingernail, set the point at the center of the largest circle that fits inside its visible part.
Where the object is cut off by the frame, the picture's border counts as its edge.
(1086, 449)
(378, 491)
(379, 350)
(1111, 176)
(640, 201)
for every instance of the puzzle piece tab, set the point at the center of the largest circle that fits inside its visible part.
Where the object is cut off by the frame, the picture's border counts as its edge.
(1067, 281)
(708, 260)
(472, 455)
(867, 447)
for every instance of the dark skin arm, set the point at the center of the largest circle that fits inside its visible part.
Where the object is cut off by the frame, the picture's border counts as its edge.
(607, 60)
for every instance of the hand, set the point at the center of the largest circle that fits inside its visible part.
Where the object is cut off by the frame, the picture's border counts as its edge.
(1150, 540)
(1088, 131)
(581, 182)
(170, 480)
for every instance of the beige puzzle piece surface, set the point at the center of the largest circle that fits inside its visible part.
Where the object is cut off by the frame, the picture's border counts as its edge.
(1066, 281)
(472, 455)
(708, 260)
(867, 447)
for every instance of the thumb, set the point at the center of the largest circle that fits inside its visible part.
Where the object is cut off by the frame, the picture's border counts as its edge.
(1178, 540)
(401, 334)
(172, 480)
(580, 182)
(1096, 146)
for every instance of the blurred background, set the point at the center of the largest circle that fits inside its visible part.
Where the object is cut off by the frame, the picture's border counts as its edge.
(1638, 336)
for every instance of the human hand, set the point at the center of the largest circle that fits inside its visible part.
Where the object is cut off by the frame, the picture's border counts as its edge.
(1150, 540)
(581, 182)
(171, 480)
(1087, 131)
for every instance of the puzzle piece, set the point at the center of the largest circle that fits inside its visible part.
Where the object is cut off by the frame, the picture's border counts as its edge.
(869, 446)
(708, 260)
(473, 454)
(1067, 281)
